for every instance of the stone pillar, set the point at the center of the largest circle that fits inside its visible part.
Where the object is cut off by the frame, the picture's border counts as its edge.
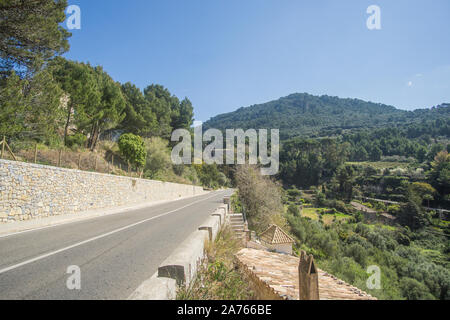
(308, 278)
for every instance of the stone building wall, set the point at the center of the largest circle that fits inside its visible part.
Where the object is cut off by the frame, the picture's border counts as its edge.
(29, 191)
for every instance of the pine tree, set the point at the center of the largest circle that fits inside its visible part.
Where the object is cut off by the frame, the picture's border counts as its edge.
(31, 33)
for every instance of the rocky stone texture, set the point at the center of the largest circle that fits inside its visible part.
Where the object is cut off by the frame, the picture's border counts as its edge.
(29, 191)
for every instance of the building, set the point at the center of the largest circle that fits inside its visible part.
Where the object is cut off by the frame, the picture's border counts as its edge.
(277, 240)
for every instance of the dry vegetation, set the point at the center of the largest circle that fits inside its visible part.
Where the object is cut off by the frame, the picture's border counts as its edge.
(105, 159)
(260, 198)
(218, 279)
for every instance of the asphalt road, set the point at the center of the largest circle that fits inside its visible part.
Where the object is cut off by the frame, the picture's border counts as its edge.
(115, 253)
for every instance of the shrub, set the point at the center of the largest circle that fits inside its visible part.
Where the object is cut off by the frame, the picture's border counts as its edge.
(357, 252)
(76, 140)
(158, 161)
(133, 149)
(293, 210)
(415, 290)
(260, 196)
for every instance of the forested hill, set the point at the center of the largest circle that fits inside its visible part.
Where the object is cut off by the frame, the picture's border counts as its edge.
(305, 114)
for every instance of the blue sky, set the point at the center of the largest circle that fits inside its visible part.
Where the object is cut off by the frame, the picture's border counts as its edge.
(226, 54)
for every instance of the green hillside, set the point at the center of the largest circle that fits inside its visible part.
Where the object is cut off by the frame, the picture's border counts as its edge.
(305, 114)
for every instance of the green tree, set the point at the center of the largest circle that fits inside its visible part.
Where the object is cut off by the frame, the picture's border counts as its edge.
(139, 117)
(185, 115)
(44, 104)
(80, 84)
(412, 214)
(110, 111)
(421, 154)
(30, 33)
(423, 190)
(361, 154)
(162, 104)
(376, 154)
(435, 150)
(343, 182)
(12, 106)
(415, 290)
(133, 149)
(439, 175)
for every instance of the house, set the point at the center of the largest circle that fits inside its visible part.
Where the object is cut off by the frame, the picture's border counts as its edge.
(277, 240)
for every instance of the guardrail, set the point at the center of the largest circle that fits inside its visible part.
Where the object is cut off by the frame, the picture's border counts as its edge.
(180, 268)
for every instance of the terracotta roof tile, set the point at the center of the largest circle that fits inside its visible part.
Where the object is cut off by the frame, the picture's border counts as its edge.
(275, 235)
(280, 273)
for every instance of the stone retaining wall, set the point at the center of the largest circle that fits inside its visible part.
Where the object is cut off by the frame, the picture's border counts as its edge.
(29, 191)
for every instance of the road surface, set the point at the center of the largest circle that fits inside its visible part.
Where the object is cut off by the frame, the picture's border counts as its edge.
(115, 253)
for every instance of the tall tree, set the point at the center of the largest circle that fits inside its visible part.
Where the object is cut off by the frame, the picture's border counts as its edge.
(139, 117)
(30, 33)
(44, 105)
(80, 83)
(110, 111)
(12, 106)
(161, 102)
(185, 116)
(439, 175)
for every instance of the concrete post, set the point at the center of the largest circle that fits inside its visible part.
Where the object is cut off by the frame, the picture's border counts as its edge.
(308, 278)
(227, 201)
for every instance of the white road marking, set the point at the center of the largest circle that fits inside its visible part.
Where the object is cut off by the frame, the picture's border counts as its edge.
(97, 237)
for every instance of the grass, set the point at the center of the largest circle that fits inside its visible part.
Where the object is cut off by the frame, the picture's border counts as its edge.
(381, 164)
(217, 278)
(327, 218)
(381, 225)
(310, 213)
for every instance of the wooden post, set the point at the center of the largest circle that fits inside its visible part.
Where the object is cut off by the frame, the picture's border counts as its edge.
(9, 150)
(35, 152)
(95, 162)
(79, 161)
(3, 145)
(59, 157)
(308, 278)
(129, 171)
(112, 160)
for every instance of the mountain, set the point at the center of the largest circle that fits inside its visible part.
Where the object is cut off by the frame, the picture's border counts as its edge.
(302, 114)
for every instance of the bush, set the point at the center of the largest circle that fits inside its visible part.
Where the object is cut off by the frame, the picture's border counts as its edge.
(394, 209)
(415, 290)
(293, 210)
(260, 196)
(133, 149)
(357, 252)
(219, 279)
(76, 140)
(158, 161)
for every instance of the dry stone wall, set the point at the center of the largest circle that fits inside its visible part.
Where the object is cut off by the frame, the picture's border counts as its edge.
(29, 191)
